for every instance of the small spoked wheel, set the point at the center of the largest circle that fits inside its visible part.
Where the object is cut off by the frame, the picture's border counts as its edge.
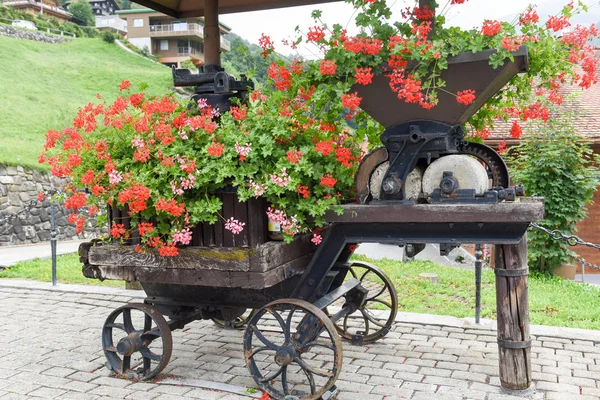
(375, 318)
(238, 323)
(293, 350)
(137, 341)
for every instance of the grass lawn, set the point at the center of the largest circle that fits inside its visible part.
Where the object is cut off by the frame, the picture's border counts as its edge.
(43, 85)
(68, 270)
(552, 300)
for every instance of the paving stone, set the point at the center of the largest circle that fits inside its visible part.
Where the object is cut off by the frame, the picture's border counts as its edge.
(445, 373)
(577, 380)
(47, 393)
(405, 363)
(470, 376)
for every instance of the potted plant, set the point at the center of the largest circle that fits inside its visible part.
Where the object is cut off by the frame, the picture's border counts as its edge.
(297, 142)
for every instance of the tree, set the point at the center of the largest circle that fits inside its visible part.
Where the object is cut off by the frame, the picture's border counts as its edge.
(82, 10)
(124, 4)
(557, 164)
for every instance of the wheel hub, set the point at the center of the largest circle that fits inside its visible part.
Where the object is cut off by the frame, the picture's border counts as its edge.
(284, 356)
(129, 345)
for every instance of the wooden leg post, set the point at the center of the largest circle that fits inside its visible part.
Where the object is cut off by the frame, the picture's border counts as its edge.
(512, 307)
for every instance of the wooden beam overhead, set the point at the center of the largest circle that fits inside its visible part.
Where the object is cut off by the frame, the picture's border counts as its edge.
(195, 8)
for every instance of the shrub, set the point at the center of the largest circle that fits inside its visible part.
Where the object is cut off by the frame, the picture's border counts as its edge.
(557, 164)
(108, 36)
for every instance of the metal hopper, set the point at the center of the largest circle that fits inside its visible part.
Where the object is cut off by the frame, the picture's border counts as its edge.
(465, 71)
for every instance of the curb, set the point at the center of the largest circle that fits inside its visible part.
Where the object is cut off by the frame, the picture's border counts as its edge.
(401, 317)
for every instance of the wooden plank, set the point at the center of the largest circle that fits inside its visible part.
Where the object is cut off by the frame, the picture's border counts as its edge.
(208, 234)
(219, 227)
(257, 222)
(241, 214)
(512, 309)
(209, 258)
(274, 253)
(228, 211)
(519, 211)
(197, 235)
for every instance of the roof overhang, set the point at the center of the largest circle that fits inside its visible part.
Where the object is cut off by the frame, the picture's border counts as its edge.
(195, 8)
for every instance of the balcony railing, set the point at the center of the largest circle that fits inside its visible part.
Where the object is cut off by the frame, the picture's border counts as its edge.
(225, 45)
(177, 30)
(189, 51)
(189, 29)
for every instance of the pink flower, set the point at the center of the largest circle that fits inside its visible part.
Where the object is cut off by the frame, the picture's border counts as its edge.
(234, 226)
(188, 184)
(137, 142)
(243, 151)
(316, 239)
(276, 216)
(258, 188)
(176, 189)
(183, 236)
(115, 177)
(202, 104)
(281, 180)
(290, 226)
(183, 134)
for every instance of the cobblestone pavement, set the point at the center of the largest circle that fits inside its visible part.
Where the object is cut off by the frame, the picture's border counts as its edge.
(50, 348)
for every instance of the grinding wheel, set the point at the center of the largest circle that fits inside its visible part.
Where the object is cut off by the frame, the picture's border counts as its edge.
(469, 172)
(412, 186)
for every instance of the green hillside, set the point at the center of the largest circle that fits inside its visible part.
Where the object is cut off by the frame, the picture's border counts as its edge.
(43, 85)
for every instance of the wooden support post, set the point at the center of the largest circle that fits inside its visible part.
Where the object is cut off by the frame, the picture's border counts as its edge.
(512, 307)
(212, 34)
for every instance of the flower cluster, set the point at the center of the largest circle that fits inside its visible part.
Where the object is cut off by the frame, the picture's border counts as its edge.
(297, 141)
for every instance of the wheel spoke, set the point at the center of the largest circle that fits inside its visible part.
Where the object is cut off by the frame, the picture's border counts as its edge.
(260, 349)
(311, 381)
(147, 353)
(316, 344)
(377, 295)
(315, 371)
(286, 390)
(126, 363)
(127, 320)
(288, 325)
(147, 365)
(385, 303)
(365, 274)
(262, 338)
(274, 375)
(116, 325)
(371, 318)
(112, 349)
(279, 320)
(366, 332)
(152, 334)
(147, 322)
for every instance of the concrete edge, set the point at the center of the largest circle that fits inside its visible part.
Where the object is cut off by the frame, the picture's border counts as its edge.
(402, 317)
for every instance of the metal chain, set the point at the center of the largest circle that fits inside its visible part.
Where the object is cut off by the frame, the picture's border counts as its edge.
(571, 240)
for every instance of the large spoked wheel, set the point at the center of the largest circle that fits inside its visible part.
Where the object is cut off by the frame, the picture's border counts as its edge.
(292, 349)
(137, 341)
(375, 318)
(238, 323)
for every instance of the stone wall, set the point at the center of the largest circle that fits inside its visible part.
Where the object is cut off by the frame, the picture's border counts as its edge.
(18, 188)
(17, 33)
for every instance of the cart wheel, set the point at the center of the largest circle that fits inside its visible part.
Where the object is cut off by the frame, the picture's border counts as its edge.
(238, 323)
(138, 354)
(375, 318)
(297, 351)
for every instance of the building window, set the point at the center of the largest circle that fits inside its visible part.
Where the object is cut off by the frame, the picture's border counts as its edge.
(164, 45)
(138, 23)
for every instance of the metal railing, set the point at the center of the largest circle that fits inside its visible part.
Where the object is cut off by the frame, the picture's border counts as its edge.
(176, 30)
(189, 51)
(51, 31)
